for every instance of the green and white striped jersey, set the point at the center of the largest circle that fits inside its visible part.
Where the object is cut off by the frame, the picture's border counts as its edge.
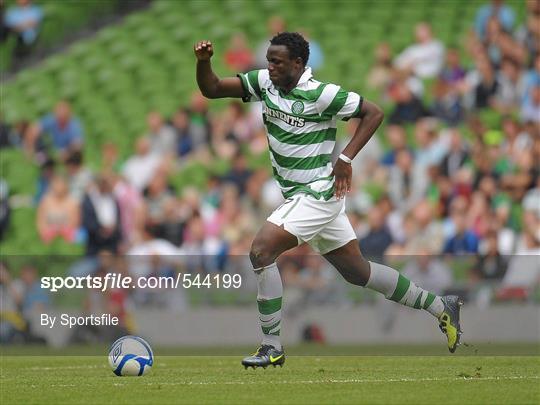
(301, 129)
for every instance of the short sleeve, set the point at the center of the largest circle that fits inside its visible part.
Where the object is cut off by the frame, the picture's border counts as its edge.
(250, 82)
(339, 103)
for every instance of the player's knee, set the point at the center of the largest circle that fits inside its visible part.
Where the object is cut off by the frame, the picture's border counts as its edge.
(261, 255)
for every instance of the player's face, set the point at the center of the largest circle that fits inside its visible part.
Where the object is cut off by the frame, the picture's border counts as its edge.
(283, 70)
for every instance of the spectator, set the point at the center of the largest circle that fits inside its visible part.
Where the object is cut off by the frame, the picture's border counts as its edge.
(58, 213)
(173, 228)
(516, 140)
(231, 219)
(479, 214)
(407, 182)
(101, 217)
(64, 129)
(180, 124)
(223, 144)
(456, 157)
(140, 168)
(464, 240)
(24, 21)
(447, 104)
(453, 72)
(528, 35)
(162, 137)
(500, 44)
(46, 173)
(378, 239)
(510, 90)
(79, 176)
(132, 209)
(426, 57)
(239, 173)
(428, 232)
(492, 42)
(490, 265)
(504, 15)
(156, 197)
(238, 122)
(397, 139)
(199, 123)
(409, 108)
(430, 146)
(380, 74)
(238, 56)
(485, 85)
(531, 108)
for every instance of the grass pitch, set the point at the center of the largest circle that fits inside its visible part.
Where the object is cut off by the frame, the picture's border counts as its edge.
(310, 379)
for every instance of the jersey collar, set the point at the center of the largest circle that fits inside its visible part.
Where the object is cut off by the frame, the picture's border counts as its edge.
(305, 76)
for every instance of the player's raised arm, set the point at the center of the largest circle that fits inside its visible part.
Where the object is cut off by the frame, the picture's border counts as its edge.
(212, 86)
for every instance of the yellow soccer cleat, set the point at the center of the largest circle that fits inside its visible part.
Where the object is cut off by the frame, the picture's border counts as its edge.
(449, 321)
(265, 356)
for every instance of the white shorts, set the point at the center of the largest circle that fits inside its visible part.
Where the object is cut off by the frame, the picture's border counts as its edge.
(322, 224)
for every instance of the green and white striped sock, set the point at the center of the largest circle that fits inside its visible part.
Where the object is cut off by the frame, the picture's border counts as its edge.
(269, 298)
(400, 289)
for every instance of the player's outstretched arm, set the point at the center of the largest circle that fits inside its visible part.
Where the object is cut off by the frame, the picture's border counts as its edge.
(371, 116)
(212, 86)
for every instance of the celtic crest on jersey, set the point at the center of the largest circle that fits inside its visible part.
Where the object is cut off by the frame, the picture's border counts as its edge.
(297, 107)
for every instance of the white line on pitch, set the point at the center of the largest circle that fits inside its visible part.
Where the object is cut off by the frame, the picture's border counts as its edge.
(329, 381)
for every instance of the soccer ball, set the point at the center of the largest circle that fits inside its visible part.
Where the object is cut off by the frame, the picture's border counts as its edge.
(130, 355)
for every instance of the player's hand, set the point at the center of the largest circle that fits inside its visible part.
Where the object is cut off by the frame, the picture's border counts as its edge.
(203, 50)
(343, 176)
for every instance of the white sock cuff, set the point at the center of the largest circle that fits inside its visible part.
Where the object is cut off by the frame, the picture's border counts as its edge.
(382, 279)
(272, 266)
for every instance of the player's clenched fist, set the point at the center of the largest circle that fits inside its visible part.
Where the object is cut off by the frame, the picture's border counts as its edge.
(203, 50)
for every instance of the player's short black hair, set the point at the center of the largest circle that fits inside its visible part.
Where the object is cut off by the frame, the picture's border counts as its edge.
(296, 44)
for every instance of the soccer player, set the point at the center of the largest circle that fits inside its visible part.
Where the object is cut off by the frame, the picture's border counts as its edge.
(300, 115)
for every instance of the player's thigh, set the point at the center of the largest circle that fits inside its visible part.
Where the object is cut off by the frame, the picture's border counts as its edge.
(270, 242)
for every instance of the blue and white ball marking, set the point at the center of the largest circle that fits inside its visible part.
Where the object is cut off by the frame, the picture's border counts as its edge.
(131, 355)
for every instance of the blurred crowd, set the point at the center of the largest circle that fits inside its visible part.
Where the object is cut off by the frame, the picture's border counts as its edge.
(440, 180)
(23, 21)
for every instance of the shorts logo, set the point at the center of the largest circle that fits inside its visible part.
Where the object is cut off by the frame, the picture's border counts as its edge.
(297, 107)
